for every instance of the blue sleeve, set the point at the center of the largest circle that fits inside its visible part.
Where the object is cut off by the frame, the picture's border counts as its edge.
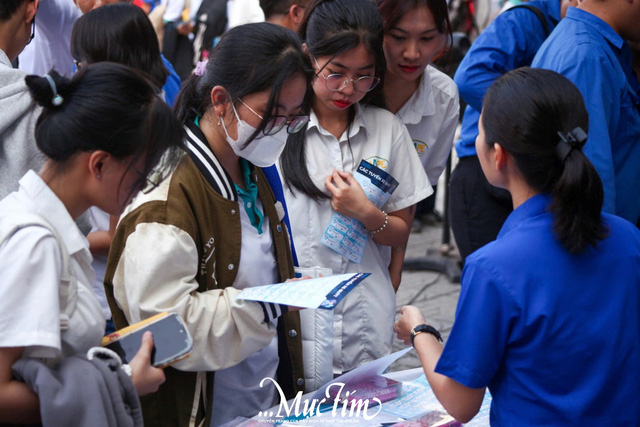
(511, 41)
(172, 85)
(592, 73)
(480, 333)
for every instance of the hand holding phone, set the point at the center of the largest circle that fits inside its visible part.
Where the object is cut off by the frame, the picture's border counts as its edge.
(171, 340)
(146, 378)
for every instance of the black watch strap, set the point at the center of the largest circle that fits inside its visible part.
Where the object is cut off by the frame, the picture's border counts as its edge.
(425, 328)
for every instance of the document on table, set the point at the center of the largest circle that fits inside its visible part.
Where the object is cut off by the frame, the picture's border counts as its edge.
(362, 373)
(348, 236)
(323, 292)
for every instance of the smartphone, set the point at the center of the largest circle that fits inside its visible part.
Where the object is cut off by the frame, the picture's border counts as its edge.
(171, 340)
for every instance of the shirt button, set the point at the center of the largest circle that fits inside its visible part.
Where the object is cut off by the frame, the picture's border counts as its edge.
(249, 205)
(300, 381)
(230, 266)
(293, 333)
(279, 228)
(233, 211)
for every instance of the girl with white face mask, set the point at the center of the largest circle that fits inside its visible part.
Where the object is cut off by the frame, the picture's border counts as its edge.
(213, 228)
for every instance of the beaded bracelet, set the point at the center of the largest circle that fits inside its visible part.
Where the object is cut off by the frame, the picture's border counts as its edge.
(382, 227)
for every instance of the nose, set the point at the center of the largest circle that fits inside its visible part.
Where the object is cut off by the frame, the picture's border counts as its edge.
(349, 88)
(411, 52)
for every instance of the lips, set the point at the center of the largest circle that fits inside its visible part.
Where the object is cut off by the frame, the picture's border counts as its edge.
(341, 103)
(409, 68)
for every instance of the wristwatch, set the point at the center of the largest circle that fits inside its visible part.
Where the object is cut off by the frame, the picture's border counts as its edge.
(425, 328)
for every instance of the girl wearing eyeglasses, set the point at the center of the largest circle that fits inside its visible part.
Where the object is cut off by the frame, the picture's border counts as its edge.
(424, 98)
(344, 39)
(213, 228)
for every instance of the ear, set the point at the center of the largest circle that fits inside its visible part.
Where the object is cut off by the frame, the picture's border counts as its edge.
(305, 49)
(97, 162)
(500, 157)
(296, 13)
(30, 13)
(219, 99)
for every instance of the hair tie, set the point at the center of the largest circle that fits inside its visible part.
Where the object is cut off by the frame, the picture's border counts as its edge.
(569, 141)
(57, 99)
(201, 67)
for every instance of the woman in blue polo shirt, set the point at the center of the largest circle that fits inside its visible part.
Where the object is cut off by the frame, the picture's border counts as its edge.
(548, 317)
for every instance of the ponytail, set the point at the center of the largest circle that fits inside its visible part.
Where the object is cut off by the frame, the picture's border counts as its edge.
(539, 117)
(577, 221)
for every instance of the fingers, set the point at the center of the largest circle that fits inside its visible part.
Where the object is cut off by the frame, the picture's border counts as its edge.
(146, 347)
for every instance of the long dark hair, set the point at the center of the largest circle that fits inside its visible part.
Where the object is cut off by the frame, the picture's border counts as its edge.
(119, 33)
(248, 59)
(393, 11)
(524, 111)
(108, 107)
(330, 28)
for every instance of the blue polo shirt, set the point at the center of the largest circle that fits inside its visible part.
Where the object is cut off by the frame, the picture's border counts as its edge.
(555, 336)
(509, 42)
(587, 51)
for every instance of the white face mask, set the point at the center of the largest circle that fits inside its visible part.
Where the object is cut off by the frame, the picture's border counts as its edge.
(263, 151)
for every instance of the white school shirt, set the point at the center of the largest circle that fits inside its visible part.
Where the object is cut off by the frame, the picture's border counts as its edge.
(50, 46)
(363, 321)
(237, 390)
(431, 116)
(30, 268)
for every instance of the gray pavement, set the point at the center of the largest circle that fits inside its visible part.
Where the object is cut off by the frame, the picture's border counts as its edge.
(430, 291)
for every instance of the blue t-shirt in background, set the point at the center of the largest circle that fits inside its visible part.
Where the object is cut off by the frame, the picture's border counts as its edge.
(587, 51)
(555, 336)
(509, 42)
(172, 84)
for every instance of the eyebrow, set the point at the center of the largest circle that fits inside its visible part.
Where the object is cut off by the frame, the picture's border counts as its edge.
(406, 32)
(337, 64)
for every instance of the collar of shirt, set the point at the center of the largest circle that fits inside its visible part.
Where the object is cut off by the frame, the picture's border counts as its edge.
(554, 11)
(598, 24)
(420, 104)
(49, 206)
(534, 206)
(359, 122)
(250, 197)
(4, 59)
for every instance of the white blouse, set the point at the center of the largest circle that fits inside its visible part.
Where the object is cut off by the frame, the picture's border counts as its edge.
(363, 321)
(431, 116)
(30, 267)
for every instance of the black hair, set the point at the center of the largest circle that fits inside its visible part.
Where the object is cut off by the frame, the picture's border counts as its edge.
(275, 7)
(248, 59)
(108, 107)
(330, 28)
(393, 11)
(524, 111)
(9, 7)
(119, 33)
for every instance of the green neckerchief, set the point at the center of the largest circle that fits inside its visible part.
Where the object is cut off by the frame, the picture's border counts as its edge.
(250, 197)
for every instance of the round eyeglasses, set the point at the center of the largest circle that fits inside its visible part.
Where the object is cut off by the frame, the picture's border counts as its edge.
(337, 82)
(276, 123)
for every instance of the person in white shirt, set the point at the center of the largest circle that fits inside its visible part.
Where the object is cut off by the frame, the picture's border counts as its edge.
(424, 98)
(344, 41)
(98, 132)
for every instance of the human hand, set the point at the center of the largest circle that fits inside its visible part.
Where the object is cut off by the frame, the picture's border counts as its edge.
(185, 28)
(347, 196)
(145, 377)
(410, 317)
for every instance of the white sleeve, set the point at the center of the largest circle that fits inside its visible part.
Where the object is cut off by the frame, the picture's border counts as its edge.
(439, 153)
(156, 272)
(406, 168)
(240, 12)
(30, 268)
